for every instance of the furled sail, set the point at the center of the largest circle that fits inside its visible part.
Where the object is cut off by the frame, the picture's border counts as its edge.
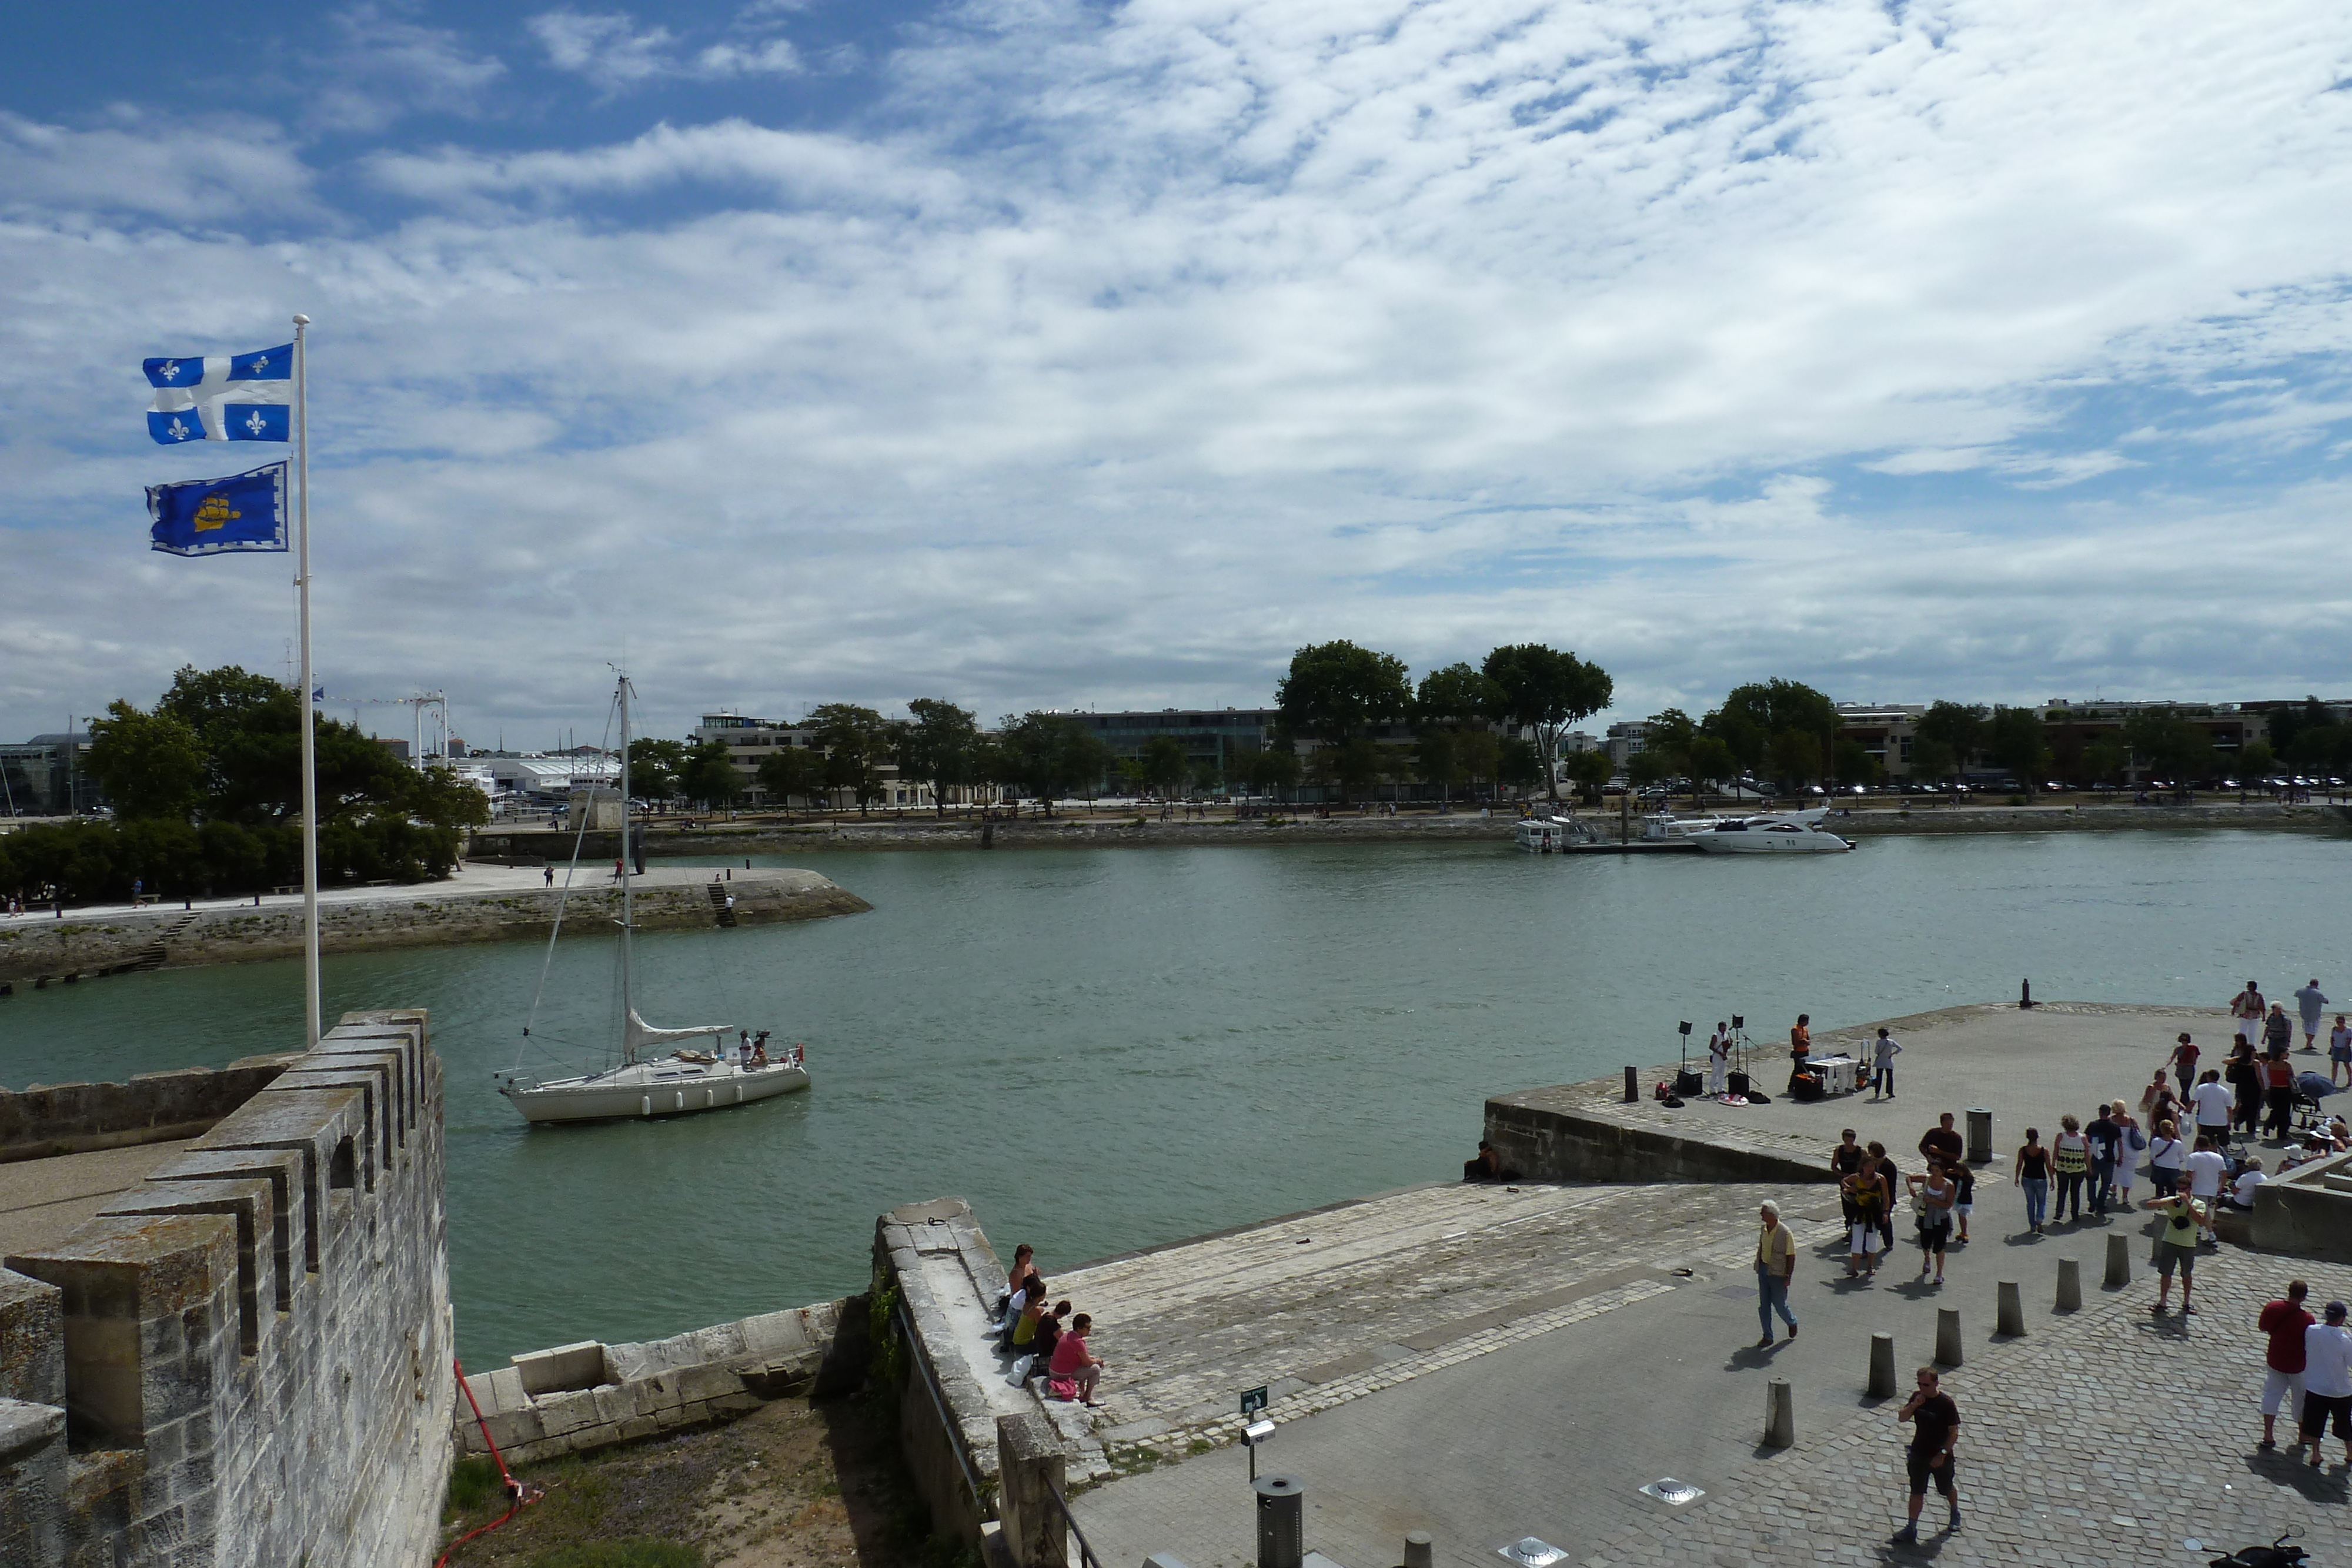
(640, 1034)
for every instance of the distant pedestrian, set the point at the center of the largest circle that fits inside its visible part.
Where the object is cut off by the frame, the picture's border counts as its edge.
(2278, 1082)
(1719, 1059)
(1934, 1194)
(1891, 1175)
(1942, 1141)
(2071, 1153)
(1800, 1040)
(1935, 1433)
(2103, 1136)
(2205, 1167)
(1864, 1194)
(2327, 1383)
(2128, 1152)
(2339, 1050)
(2176, 1249)
(2278, 1031)
(2156, 1095)
(2313, 1006)
(2250, 1181)
(2246, 1011)
(2212, 1100)
(2284, 1320)
(549, 872)
(1775, 1265)
(2031, 1170)
(1964, 1202)
(2167, 1152)
(1883, 1052)
(2183, 1063)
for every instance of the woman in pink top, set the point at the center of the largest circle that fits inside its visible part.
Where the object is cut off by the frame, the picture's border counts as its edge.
(1073, 1363)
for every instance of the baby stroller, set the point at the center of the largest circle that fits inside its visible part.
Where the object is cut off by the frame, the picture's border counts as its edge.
(2310, 1089)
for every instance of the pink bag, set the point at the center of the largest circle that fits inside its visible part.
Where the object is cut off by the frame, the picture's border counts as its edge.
(1063, 1388)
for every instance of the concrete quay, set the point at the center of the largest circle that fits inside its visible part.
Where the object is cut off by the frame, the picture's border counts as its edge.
(479, 904)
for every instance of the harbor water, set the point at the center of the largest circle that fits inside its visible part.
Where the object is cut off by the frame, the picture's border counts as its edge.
(1108, 1048)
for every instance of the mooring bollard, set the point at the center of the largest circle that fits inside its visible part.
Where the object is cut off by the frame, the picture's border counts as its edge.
(1948, 1336)
(1780, 1415)
(1417, 1553)
(1881, 1366)
(2009, 1313)
(2070, 1284)
(2118, 1262)
(1632, 1087)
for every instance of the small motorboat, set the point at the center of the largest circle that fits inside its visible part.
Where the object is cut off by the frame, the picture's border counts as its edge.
(1548, 835)
(1771, 833)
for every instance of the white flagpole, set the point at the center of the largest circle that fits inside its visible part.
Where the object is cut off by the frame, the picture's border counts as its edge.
(311, 1005)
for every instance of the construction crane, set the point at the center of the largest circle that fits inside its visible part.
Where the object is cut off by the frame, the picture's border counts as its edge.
(418, 756)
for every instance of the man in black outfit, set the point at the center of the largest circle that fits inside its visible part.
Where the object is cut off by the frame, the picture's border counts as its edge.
(1886, 1167)
(1935, 1428)
(1844, 1160)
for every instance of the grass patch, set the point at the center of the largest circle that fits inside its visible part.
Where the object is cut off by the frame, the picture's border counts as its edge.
(646, 1553)
(472, 1482)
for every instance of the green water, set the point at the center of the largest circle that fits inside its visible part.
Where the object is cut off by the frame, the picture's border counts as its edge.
(1107, 1048)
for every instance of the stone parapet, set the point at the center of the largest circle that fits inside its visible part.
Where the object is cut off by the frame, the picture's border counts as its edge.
(576, 1399)
(245, 1355)
(2307, 1211)
(50, 1119)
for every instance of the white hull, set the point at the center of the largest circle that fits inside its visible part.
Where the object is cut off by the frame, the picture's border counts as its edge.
(1778, 839)
(667, 1087)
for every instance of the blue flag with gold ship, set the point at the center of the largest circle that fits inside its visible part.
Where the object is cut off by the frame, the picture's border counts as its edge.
(214, 516)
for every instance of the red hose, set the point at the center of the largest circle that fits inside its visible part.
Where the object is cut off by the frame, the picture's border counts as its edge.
(518, 1498)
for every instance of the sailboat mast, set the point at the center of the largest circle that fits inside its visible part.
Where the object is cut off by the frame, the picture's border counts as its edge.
(628, 906)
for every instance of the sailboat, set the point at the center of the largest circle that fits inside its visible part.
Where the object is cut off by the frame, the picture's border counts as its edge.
(645, 1082)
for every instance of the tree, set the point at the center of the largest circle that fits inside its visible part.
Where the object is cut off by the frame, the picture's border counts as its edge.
(1336, 691)
(1711, 761)
(1588, 770)
(1457, 696)
(1545, 690)
(856, 741)
(1207, 779)
(1960, 728)
(1796, 756)
(1162, 763)
(152, 765)
(1270, 769)
(791, 770)
(1855, 765)
(2018, 740)
(655, 767)
(2105, 759)
(1050, 754)
(2172, 746)
(1480, 752)
(442, 798)
(2289, 724)
(1521, 767)
(938, 745)
(1437, 762)
(2256, 761)
(709, 775)
(1931, 758)
(1646, 767)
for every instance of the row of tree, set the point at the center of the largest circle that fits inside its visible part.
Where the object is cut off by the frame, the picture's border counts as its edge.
(206, 788)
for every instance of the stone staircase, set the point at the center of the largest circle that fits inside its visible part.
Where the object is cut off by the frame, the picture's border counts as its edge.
(719, 910)
(154, 955)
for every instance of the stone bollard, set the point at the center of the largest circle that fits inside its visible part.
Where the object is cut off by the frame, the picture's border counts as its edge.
(2070, 1284)
(1417, 1552)
(2009, 1311)
(1881, 1366)
(1030, 1465)
(1780, 1415)
(1948, 1336)
(2118, 1262)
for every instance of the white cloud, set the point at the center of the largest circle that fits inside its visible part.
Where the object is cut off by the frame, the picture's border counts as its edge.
(1121, 352)
(612, 50)
(207, 172)
(384, 67)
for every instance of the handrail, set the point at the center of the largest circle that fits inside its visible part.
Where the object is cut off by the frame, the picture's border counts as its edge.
(950, 1430)
(1085, 1552)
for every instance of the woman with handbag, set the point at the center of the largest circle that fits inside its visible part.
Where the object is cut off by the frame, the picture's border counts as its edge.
(2165, 1153)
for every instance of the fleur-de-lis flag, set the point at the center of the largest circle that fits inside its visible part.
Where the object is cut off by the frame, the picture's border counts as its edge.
(237, 397)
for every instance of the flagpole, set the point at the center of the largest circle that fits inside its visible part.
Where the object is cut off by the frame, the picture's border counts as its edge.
(310, 1004)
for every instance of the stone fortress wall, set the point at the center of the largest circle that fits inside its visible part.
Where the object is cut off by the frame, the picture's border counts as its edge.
(245, 1359)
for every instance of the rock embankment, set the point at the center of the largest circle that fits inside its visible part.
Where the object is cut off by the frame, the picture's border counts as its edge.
(36, 950)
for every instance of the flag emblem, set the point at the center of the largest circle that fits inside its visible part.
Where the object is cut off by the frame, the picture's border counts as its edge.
(239, 397)
(217, 516)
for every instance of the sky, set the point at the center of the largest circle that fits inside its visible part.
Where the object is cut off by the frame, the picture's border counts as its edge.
(1040, 354)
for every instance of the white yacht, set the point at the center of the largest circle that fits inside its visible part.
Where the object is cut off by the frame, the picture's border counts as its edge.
(1548, 835)
(1664, 827)
(641, 1083)
(1772, 832)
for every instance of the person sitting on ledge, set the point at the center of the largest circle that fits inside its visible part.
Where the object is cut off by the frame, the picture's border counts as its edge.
(1486, 1165)
(1075, 1370)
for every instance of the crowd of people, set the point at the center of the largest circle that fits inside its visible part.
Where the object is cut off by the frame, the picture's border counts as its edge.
(1042, 1337)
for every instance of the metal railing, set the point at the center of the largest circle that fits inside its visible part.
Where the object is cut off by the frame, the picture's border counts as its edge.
(1085, 1552)
(952, 1433)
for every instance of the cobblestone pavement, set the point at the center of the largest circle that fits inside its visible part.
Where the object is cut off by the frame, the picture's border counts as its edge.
(2025, 1066)
(1326, 1307)
(2107, 1441)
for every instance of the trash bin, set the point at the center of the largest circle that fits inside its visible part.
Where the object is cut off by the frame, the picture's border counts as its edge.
(1281, 1521)
(1979, 1136)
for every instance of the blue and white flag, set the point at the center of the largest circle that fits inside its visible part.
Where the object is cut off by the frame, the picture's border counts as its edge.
(242, 397)
(214, 516)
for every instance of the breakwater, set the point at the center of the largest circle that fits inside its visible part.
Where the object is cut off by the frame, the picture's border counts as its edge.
(39, 951)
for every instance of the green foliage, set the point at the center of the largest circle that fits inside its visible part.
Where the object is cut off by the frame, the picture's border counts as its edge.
(1647, 766)
(1520, 765)
(2297, 732)
(1336, 690)
(1795, 756)
(1931, 758)
(939, 745)
(1437, 761)
(1855, 765)
(791, 770)
(857, 742)
(2172, 745)
(643, 1553)
(473, 1481)
(1959, 728)
(152, 765)
(1161, 763)
(2257, 761)
(2104, 760)
(653, 768)
(1458, 695)
(2017, 740)
(85, 862)
(1049, 754)
(708, 774)
(1547, 690)
(1711, 761)
(1269, 769)
(1480, 752)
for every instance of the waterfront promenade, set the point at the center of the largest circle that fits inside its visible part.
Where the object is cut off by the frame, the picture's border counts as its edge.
(1488, 1364)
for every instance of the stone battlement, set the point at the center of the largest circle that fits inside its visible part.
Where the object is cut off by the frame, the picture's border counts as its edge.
(244, 1359)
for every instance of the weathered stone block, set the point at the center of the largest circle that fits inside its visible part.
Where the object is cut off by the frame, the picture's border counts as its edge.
(564, 1368)
(32, 1339)
(515, 1427)
(719, 1343)
(707, 1382)
(775, 1335)
(561, 1413)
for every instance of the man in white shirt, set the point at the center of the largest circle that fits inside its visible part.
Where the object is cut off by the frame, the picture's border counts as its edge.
(2241, 1192)
(1718, 1058)
(2216, 1104)
(2327, 1381)
(2206, 1167)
